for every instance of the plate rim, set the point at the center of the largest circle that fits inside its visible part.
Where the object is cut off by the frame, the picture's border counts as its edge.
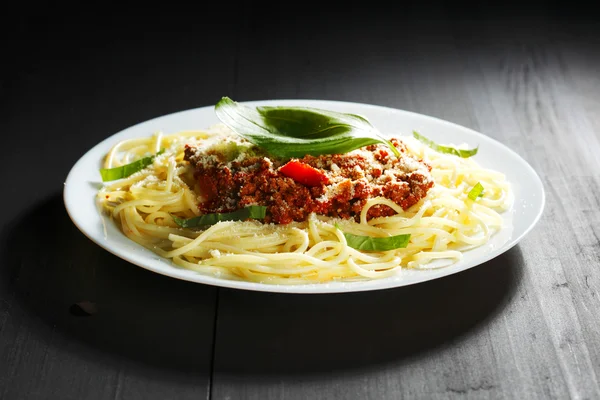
(311, 288)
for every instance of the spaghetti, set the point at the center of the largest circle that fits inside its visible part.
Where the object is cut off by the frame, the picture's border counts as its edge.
(442, 224)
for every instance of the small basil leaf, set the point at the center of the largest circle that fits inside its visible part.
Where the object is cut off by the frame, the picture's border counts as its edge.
(445, 149)
(111, 174)
(369, 243)
(250, 212)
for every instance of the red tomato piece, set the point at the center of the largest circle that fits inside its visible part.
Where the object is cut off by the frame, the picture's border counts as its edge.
(304, 173)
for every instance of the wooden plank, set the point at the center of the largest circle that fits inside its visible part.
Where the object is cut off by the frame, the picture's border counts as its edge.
(151, 337)
(383, 344)
(521, 326)
(365, 345)
(541, 98)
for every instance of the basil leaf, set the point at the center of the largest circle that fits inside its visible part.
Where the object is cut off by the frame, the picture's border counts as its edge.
(476, 192)
(111, 174)
(297, 131)
(445, 149)
(369, 243)
(253, 212)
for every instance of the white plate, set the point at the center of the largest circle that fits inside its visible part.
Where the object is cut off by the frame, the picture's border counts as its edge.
(83, 182)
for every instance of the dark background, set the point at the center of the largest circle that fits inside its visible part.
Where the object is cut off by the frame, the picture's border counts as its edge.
(521, 326)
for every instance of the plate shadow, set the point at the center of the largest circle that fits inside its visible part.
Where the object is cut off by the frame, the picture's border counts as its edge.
(47, 265)
(269, 334)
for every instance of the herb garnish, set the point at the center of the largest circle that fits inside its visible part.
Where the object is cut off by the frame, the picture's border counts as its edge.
(250, 212)
(369, 243)
(111, 174)
(297, 131)
(445, 149)
(476, 192)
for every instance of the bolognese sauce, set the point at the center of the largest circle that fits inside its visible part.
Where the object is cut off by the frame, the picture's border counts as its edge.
(336, 185)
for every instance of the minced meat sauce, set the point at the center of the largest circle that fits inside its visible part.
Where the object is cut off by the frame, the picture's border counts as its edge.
(350, 180)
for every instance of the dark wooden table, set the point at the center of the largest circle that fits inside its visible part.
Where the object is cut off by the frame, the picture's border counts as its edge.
(524, 325)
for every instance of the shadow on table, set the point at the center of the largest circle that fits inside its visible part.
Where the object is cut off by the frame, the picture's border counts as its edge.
(273, 334)
(48, 266)
(124, 312)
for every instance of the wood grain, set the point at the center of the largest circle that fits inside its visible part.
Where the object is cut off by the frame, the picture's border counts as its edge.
(152, 336)
(515, 81)
(521, 326)
(547, 110)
